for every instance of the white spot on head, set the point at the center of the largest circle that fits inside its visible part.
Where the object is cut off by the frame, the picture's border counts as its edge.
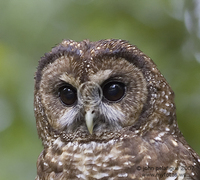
(164, 111)
(60, 163)
(162, 93)
(158, 138)
(137, 131)
(161, 134)
(154, 95)
(174, 142)
(45, 164)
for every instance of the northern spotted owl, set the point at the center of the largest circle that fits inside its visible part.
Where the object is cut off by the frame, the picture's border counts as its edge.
(104, 111)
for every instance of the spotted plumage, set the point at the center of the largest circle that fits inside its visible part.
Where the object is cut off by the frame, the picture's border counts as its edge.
(104, 111)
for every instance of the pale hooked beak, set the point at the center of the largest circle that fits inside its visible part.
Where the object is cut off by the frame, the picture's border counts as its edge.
(89, 96)
(89, 118)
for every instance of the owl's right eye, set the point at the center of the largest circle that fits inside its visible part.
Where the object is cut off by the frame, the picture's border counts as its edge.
(67, 95)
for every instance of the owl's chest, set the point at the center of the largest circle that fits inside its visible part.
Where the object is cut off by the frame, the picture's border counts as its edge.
(92, 160)
(114, 159)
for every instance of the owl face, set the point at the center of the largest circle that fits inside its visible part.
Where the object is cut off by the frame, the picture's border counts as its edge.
(102, 110)
(94, 88)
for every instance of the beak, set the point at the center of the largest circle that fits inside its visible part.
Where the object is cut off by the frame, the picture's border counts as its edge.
(89, 118)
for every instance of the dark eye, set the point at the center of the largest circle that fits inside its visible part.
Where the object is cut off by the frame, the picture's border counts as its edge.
(67, 95)
(114, 91)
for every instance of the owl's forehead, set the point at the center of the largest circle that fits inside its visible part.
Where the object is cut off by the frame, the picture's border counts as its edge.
(87, 60)
(87, 68)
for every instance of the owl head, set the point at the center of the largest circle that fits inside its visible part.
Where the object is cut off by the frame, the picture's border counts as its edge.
(89, 89)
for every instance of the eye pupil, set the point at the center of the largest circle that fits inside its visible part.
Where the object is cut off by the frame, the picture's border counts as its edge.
(114, 91)
(67, 95)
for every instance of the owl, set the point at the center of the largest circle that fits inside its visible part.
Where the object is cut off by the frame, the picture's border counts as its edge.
(104, 111)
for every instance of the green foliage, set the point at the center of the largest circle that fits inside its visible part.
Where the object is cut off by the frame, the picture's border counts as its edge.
(30, 28)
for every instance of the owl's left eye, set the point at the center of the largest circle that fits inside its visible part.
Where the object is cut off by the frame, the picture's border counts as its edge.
(114, 91)
(67, 95)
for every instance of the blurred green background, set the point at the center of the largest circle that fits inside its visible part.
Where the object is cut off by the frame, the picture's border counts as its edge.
(167, 31)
